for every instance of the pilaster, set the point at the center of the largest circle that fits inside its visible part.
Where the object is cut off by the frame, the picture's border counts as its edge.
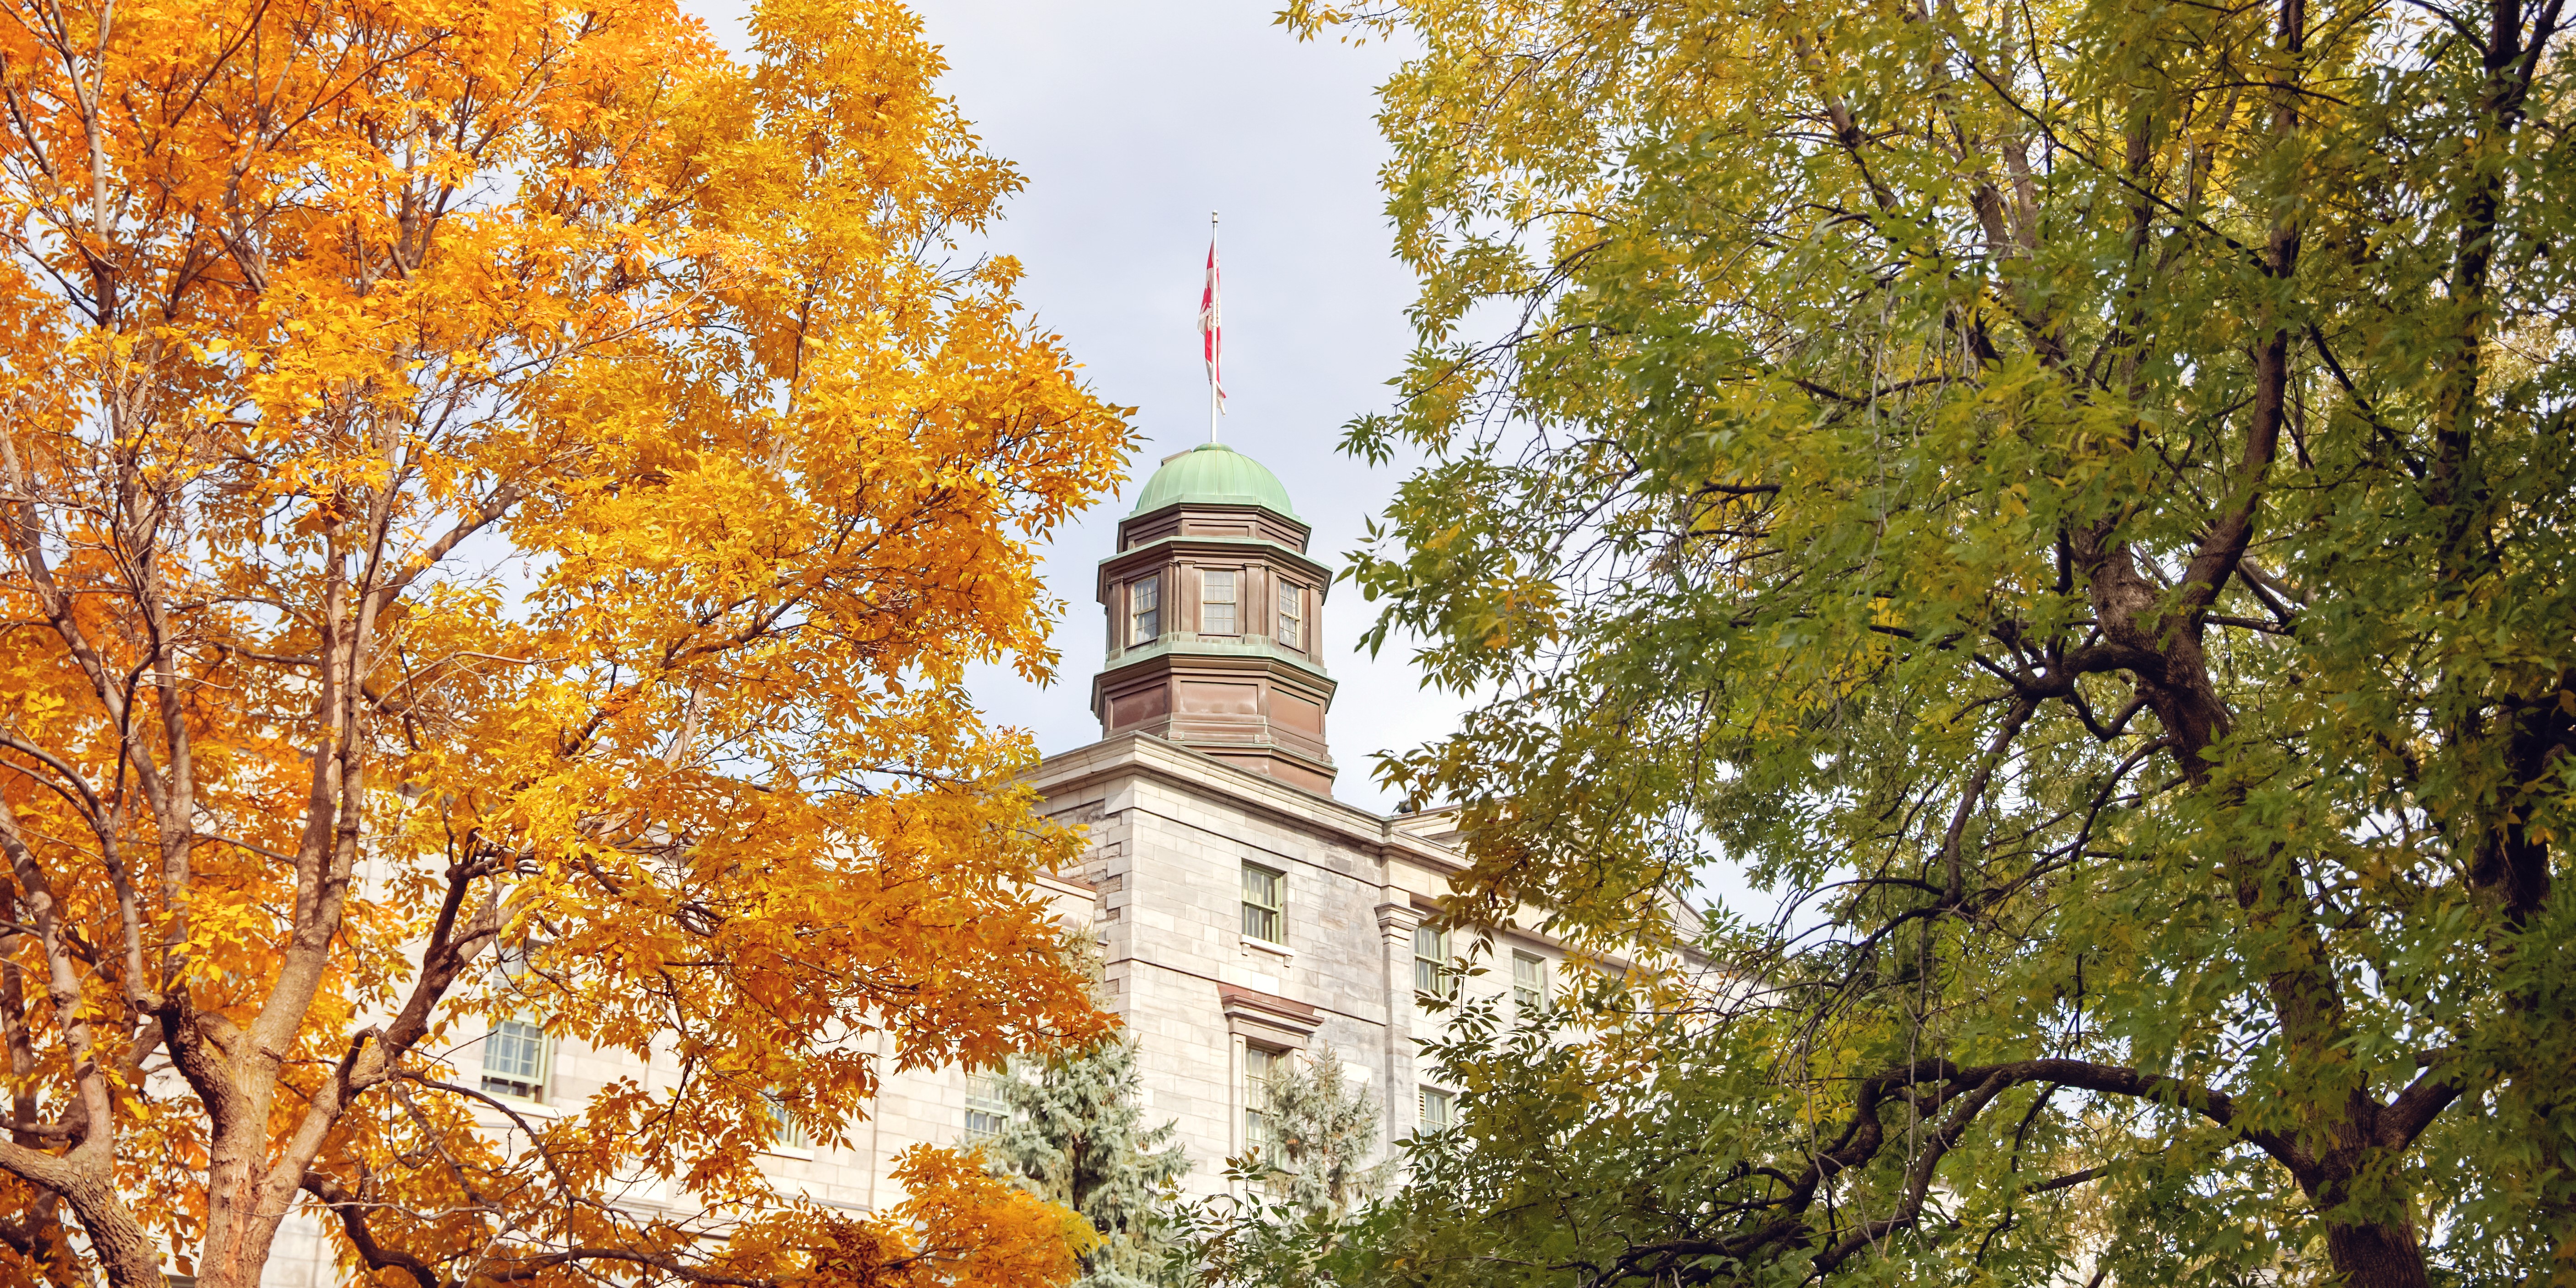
(1396, 922)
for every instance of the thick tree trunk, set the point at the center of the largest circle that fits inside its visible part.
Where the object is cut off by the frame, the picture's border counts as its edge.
(2376, 1256)
(239, 1232)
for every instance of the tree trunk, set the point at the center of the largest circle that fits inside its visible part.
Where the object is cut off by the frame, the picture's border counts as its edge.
(2376, 1256)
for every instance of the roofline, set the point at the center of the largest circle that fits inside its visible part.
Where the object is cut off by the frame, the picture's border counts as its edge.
(1181, 766)
(1195, 543)
(1198, 504)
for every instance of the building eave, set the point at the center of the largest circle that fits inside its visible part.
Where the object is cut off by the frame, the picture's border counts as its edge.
(1116, 567)
(1170, 762)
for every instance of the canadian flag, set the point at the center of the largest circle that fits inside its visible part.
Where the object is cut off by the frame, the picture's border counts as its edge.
(1212, 328)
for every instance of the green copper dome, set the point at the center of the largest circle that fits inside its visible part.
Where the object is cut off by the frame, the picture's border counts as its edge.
(1214, 474)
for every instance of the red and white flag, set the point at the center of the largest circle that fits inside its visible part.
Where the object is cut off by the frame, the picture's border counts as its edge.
(1212, 328)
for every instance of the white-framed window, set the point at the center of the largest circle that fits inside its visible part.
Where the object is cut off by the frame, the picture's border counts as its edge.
(986, 1111)
(514, 1061)
(786, 1132)
(1431, 973)
(1529, 984)
(1261, 1067)
(1265, 903)
(1432, 1108)
(1292, 615)
(1218, 602)
(1144, 610)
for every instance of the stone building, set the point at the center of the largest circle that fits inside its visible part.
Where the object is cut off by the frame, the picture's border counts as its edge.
(1245, 915)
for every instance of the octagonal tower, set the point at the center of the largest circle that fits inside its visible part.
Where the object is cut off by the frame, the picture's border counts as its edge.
(1215, 620)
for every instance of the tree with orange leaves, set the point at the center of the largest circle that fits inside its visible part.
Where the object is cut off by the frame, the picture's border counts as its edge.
(498, 500)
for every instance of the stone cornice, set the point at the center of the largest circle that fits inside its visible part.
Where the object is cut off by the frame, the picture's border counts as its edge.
(1134, 753)
(1161, 549)
(1305, 530)
(1401, 917)
(1265, 1018)
(1212, 650)
(1277, 1010)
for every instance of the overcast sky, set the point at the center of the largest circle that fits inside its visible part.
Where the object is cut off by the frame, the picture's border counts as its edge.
(1131, 120)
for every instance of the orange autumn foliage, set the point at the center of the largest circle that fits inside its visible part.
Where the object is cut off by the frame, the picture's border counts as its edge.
(498, 500)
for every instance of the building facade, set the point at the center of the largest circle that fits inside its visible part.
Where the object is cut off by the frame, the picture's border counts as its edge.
(1245, 916)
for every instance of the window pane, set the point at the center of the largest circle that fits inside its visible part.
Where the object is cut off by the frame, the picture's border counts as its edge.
(986, 1111)
(1431, 961)
(1292, 616)
(514, 1060)
(1433, 1105)
(1261, 886)
(1259, 1067)
(1262, 891)
(1529, 983)
(1216, 603)
(1144, 611)
(789, 1134)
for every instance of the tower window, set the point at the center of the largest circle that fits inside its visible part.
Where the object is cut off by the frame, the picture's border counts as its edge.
(1529, 985)
(1292, 615)
(1217, 603)
(1144, 610)
(1431, 973)
(1263, 903)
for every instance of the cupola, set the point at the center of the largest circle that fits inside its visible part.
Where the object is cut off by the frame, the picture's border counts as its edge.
(1215, 620)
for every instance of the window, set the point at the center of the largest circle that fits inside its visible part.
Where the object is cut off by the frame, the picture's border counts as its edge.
(1263, 892)
(1217, 603)
(1260, 1068)
(1529, 985)
(1292, 616)
(1432, 1107)
(787, 1134)
(1431, 973)
(986, 1111)
(514, 1060)
(1144, 610)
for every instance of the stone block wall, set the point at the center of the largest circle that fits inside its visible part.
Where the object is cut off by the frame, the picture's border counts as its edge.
(1166, 834)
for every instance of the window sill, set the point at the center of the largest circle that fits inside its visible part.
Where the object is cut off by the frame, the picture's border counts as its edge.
(1267, 946)
(529, 1109)
(801, 1153)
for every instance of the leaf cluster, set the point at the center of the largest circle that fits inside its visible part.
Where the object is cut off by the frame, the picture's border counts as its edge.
(2074, 501)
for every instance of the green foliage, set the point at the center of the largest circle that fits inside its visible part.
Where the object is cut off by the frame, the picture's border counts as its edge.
(1296, 1196)
(2076, 499)
(1324, 1129)
(1076, 1136)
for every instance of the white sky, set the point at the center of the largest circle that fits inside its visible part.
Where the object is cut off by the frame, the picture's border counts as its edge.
(1131, 120)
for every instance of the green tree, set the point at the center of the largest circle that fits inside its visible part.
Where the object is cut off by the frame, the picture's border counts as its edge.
(1298, 1192)
(1323, 1128)
(2075, 498)
(1076, 1136)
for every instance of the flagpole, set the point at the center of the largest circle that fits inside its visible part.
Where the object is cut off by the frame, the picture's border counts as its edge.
(1213, 406)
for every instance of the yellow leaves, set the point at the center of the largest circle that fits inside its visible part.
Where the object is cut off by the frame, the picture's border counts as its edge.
(979, 1231)
(583, 499)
